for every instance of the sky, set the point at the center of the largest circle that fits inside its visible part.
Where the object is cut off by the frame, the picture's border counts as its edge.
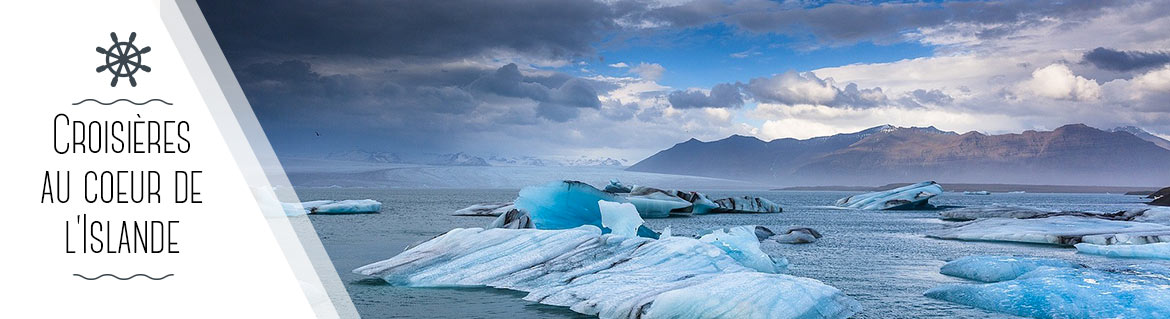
(625, 79)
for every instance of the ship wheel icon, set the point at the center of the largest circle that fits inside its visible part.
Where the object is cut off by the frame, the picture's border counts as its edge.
(123, 59)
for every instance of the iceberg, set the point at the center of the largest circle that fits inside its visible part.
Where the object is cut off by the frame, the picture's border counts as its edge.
(976, 193)
(621, 218)
(998, 268)
(1058, 230)
(513, 219)
(567, 204)
(1001, 211)
(797, 235)
(742, 244)
(615, 186)
(485, 209)
(914, 196)
(746, 204)
(656, 203)
(350, 206)
(1155, 250)
(611, 276)
(1067, 292)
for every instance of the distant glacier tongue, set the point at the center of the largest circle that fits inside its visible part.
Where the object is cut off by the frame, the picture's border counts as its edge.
(611, 276)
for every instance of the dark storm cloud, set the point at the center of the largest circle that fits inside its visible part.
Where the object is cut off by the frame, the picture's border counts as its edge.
(723, 95)
(291, 88)
(851, 22)
(405, 28)
(1116, 60)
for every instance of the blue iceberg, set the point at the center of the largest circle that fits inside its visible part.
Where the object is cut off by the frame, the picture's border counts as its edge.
(567, 204)
(1068, 292)
(1155, 250)
(611, 276)
(998, 268)
(914, 196)
(657, 203)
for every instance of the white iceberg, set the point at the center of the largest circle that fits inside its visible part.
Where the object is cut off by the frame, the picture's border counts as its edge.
(742, 244)
(797, 235)
(349, 206)
(1069, 292)
(656, 203)
(621, 218)
(914, 196)
(485, 209)
(611, 276)
(1059, 230)
(745, 204)
(998, 268)
(1155, 250)
(992, 211)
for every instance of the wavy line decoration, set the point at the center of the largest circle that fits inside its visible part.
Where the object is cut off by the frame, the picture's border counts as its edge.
(120, 278)
(123, 100)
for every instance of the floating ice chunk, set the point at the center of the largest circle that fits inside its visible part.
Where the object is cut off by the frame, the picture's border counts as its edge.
(1060, 230)
(657, 204)
(746, 204)
(741, 243)
(513, 219)
(700, 203)
(1160, 215)
(797, 235)
(486, 209)
(976, 193)
(665, 232)
(1155, 250)
(914, 196)
(349, 206)
(1063, 292)
(615, 186)
(998, 268)
(567, 204)
(621, 218)
(611, 276)
(976, 212)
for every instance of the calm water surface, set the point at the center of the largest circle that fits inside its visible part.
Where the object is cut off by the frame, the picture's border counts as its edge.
(880, 258)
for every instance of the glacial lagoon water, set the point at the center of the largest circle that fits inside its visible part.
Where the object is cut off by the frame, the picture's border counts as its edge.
(880, 258)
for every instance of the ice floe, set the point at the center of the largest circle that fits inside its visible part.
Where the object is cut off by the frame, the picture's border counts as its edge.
(914, 196)
(998, 268)
(743, 245)
(1059, 230)
(349, 206)
(797, 235)
(485, 209)
(612, 276)
(615, 186)
(1002, 211)
(1064, 290)
(1154, 250)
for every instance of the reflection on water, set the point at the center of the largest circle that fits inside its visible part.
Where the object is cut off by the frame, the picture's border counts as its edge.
(879, 258)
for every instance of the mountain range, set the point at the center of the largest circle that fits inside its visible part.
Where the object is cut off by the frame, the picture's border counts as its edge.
(1073, 154)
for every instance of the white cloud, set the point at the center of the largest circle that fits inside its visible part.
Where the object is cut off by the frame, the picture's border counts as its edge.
(1154, 81)
(649, 71)
(619, 65)
(1057, 81)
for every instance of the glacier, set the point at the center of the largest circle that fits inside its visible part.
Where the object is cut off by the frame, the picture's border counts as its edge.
(998, 268)
(1154, 250)
(611, 276)
(349, 206)
(1139, 291)
(913, 196)
(743, 245)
